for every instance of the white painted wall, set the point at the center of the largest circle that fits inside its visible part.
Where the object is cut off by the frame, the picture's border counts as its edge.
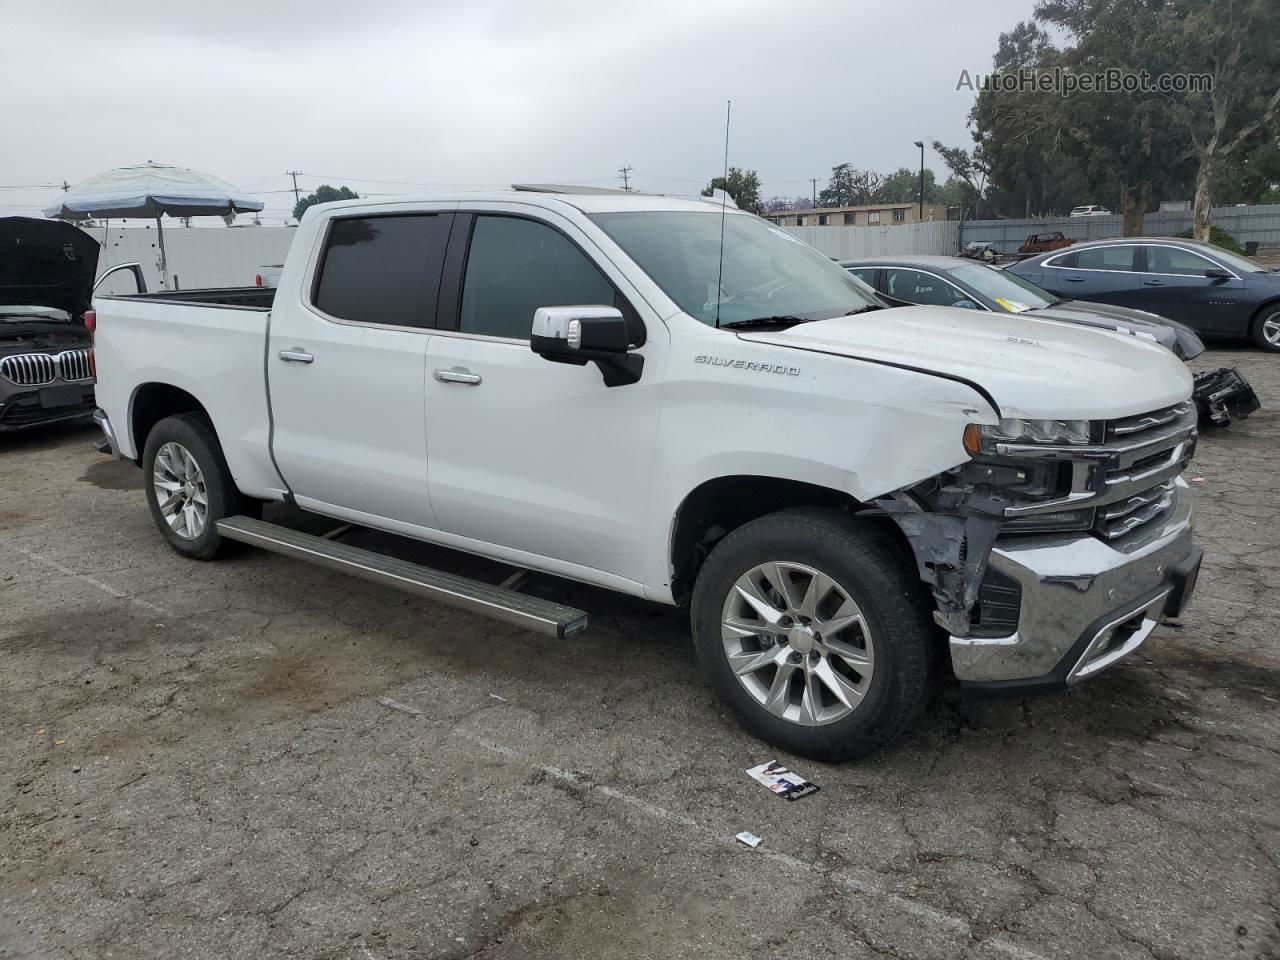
(846, 243)
(212, 257)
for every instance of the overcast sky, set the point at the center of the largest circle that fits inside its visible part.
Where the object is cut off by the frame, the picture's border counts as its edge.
(423, 94)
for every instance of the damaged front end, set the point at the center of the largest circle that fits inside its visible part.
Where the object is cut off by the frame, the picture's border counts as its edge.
(1049, 527)
(1223, 395)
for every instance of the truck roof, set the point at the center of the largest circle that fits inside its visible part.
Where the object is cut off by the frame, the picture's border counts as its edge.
(587, 202)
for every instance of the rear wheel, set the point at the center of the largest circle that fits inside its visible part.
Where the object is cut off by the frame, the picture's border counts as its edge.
(807, 625)
(1266, 329)
(189, 487)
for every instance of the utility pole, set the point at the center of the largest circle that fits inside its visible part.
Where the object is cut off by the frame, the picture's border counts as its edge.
(65, 186)
(625, 173)
(920, 144)
(294, 174)
(814, 181)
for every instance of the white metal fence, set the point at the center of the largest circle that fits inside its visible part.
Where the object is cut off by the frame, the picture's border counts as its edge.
(198, 257)
(1260, 224)
(846, 243)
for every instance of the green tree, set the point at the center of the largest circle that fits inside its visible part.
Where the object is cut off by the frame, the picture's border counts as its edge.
(903, 186)
(1237, 43)
(850, 187)
(742, 185)
(323, 194)
(968, 174)
(1123, 147)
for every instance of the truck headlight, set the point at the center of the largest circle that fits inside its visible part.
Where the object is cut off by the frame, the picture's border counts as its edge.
(982, 438)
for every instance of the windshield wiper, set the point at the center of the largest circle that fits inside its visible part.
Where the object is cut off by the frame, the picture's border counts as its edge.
(771, 321)
(864, 309)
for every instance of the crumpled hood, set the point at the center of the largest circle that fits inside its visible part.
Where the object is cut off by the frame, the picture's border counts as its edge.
(46, 263)
(1032, 368)
(1178, 337)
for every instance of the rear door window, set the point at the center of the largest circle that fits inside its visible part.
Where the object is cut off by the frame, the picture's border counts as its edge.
(916, 287)
(1104, 258)
(383, 270)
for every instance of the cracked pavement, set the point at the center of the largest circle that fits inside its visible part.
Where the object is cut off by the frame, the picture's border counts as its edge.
(259, 758)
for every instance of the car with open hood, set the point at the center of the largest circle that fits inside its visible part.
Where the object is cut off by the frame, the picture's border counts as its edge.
(47, 273)
(47, 282)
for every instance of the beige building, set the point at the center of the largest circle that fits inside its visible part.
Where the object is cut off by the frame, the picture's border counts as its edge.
(871, 215)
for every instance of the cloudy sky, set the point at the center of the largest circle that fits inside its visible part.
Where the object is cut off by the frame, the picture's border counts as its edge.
(394, 97)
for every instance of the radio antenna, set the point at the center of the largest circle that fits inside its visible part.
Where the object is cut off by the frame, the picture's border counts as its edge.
(724, 197)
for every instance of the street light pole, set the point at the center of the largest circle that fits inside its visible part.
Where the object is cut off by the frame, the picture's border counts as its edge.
(920, 144)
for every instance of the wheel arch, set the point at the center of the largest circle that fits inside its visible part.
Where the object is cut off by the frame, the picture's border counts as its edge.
(151, 402)
(720, 505)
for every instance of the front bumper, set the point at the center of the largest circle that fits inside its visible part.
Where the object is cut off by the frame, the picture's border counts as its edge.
(1085, 603)
(29, 407)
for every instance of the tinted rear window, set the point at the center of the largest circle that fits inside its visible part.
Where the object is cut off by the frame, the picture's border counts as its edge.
(383, 269)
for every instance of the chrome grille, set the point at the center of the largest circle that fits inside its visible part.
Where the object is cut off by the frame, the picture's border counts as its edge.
(29, 369)
(1125, 516)
(74, 365)
(37, 369)
(1151, 449)
(1127, 426)
(1148, 449)
(1127, 479)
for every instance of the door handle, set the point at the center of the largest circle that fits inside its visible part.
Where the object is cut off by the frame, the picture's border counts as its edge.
(457, 375)
(296, 355)
(1153, 283)
(1074, 279)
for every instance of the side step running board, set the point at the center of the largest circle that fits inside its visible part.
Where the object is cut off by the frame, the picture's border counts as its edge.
(540, 616)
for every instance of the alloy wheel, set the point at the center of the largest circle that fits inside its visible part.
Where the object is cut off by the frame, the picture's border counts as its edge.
(798, 643)
(1271, 329)
(180, 491)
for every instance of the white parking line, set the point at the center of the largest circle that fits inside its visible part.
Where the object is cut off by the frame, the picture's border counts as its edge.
(96, 584)
(864, 882)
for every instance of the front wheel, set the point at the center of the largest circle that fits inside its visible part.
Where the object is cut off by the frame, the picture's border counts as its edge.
(1266, 329)
(813, 632)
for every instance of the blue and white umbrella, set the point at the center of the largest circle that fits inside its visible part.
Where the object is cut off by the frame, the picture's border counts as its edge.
(151, 190)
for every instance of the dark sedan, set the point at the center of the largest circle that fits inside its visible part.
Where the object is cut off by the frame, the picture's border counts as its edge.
(957, 282)
(1213, 290)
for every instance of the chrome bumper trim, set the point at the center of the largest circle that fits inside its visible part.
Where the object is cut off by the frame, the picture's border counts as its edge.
(1073, 587)
(104, 424)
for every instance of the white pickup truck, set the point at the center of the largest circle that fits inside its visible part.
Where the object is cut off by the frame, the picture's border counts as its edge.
(686, 404)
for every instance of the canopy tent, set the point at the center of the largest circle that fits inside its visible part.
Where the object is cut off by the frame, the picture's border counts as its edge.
(151, 190)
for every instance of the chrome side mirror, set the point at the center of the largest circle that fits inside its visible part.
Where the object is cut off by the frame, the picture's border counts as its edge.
(579, 335)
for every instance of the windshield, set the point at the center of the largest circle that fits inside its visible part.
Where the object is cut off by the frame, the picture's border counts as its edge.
(767, 272)
(22, 312)
(1007, 289)
(1235, 261)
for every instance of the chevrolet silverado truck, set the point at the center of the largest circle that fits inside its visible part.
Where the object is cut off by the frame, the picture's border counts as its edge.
(681, 402)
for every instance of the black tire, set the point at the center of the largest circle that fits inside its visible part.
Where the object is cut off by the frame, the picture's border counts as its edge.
(877, 576)
(1268, 314)
(195, 434)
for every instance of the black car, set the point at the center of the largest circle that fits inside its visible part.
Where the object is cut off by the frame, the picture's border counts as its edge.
(958, 282)
(1220, 395)
(1213, 290)
(46, 281)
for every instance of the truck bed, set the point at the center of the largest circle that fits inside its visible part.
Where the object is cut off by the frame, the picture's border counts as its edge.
(210, 344)
(244, 298)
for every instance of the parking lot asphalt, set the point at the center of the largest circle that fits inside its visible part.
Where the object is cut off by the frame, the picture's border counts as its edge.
(259, 758)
